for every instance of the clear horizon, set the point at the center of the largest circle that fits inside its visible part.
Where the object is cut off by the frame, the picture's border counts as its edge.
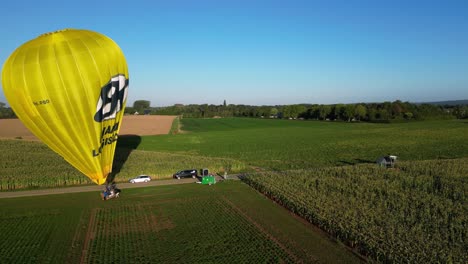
(269, 52)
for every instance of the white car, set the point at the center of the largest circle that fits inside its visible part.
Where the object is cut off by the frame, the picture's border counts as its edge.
(140, 178)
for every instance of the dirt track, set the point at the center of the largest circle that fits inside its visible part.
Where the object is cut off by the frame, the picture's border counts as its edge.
(140, 125)
(93, 188)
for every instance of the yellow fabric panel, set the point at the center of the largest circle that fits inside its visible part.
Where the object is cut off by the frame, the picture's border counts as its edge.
(69, 88)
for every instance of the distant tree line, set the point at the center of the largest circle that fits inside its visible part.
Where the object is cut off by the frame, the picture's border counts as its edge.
(369, 112)
(6, 112)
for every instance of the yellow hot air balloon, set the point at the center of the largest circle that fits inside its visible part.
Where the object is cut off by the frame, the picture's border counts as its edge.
(69, 88)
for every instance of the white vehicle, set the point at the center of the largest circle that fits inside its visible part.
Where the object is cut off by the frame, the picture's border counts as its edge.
(140, 178)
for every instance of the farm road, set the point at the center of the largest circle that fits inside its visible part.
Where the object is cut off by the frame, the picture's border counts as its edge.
(95, 188)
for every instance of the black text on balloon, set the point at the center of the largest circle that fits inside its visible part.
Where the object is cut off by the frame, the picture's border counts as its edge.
(112, 98)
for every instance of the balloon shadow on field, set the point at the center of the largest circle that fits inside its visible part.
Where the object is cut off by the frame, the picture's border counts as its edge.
(125, 145)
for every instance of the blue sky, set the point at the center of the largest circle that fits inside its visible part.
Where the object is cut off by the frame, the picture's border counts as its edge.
(268, 52)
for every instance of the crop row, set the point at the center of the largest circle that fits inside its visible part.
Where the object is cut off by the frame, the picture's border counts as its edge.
(415, 213)
(24, 233)
(197, 234)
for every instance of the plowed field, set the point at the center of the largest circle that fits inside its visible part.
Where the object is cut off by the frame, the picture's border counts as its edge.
(140, 125)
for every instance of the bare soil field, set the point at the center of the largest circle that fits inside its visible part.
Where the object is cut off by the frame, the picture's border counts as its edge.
(140, 125)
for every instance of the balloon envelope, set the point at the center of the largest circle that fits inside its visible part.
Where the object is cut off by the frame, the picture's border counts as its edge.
(69, 88)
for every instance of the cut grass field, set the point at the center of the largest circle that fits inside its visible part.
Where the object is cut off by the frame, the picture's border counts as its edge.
(292, 144)
(226, 222)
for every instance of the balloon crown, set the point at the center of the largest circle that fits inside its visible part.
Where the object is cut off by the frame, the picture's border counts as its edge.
(54, 32)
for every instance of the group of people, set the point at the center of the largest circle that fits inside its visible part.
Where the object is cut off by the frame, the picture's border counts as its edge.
(110, 191)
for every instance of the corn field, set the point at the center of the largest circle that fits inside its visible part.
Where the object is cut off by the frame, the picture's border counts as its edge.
(28, 165)
(416, 213)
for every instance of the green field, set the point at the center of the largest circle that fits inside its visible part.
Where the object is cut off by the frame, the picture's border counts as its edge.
(237, 145)
(225, 223)
(291, 144)
(416, 213)
(321, 171)
(28, 165)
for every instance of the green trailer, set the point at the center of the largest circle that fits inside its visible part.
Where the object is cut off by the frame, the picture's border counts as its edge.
(207, 178)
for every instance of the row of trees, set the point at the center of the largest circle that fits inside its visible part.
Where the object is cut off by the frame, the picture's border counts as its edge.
(6, 112)
(372, 112)
(377, 112)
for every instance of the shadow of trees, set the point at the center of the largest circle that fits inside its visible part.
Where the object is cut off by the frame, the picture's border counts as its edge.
(356, 161)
